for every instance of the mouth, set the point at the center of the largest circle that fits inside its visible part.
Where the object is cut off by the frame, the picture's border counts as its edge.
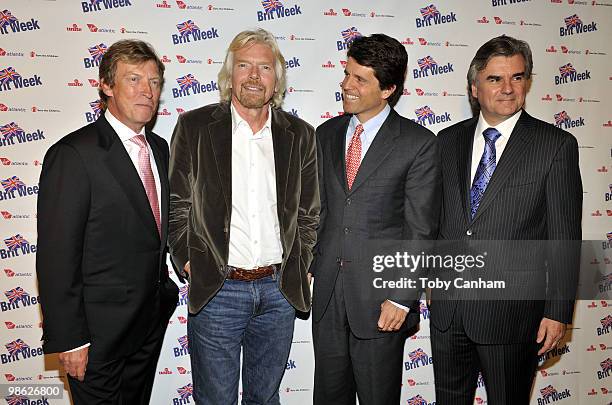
(252, 87)
(350, 97)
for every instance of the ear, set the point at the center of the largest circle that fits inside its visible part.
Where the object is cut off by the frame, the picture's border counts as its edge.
(474, 90)
(386, 93)
(106, 88)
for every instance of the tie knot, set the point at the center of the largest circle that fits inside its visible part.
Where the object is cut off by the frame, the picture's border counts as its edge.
(358, 130)
(139, 140)
(491, 134)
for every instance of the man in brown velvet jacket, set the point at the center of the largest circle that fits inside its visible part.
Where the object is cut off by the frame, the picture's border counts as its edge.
(244, 210)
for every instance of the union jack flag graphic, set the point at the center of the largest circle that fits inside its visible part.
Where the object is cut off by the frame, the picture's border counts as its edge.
(184, 292)
(96, 106)
(609, 236)
(186, 391)
(6, 18)
(423, 309)
(15, 242)
(12, 183)
(423, 113)
(547, 391)
(16, 399)
(606, 322)
(417, 354)
(350, 34)
(97, 51)
(606, 365)
(566, 70)
(16, 346)
(16, 294)
(8, 75)
(417, 400)
(187, 81)
(426, 62)
(572, 21)
(607, 279)
(95, 2)
(271, 5)
(184, 342)
(429, 11)
(11, 130)
(186, 27)
(561, 117)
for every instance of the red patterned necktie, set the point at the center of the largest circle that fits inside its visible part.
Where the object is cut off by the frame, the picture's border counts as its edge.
(353, 156)
(146, 175)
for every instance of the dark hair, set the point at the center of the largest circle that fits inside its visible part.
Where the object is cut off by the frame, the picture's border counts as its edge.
(387, 56)
(499, 46)
(131, 51)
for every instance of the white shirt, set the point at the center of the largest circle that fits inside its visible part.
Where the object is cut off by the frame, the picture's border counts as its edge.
(132, 149)
(254, 239)
(505, 129)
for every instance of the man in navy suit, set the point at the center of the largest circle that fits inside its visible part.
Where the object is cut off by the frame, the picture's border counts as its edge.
(507, 176)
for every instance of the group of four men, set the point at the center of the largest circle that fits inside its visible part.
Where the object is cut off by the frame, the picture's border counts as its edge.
(248, 195)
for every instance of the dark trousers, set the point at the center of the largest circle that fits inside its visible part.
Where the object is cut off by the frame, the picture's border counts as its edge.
(346, 366)
(507, 369)
(124, 381)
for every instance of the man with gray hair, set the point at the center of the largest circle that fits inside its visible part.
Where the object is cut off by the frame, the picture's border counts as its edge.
(244, 208)
(507, 176)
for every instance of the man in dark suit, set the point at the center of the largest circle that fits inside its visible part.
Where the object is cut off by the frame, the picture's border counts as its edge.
(102, 228)
(506, 176)
(379, 179)
(244, 208)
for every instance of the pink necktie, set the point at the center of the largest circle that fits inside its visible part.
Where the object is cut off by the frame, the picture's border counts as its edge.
(353, 156)
(146, 175)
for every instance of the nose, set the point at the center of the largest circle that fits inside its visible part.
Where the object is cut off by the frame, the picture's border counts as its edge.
(507, 87)
(254, 72)
(146, 89)
(346, 83)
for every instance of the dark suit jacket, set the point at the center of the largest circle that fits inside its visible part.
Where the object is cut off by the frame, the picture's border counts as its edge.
(201, 200)
(100, 260)
(395, 196)
(535, 193)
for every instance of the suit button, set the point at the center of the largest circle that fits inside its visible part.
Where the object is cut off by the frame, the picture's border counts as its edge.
(468, 232)
(347, 230)
(348, 201)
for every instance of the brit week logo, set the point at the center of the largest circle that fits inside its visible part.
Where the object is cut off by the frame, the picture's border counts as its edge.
(183, 295)
(425, 116)
(562, 120)
(184, 393)
(417, 358)
(96, 108)
(101, 5)
(430, 15)
(189, 85)
(17, 298)
(10, 79)
(568, 74)
(183, 348)
(189, 31)
(16, 245)
(574, 25)
(19, 350)
(606, 367)
(348, 36)
(95, 55)
(549, 395)
(12, 134)
(429, 67)
(274, 9)
(10, 24)
(12, 185)
(606, 325)
(419, 400)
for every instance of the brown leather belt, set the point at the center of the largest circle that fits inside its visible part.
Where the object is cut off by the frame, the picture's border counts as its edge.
(236, 273)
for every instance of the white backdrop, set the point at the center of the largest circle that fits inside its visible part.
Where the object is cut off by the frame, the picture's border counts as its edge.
(48, 89)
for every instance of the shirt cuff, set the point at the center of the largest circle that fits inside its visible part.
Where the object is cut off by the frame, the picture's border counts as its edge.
(400, 306)
(82, 347)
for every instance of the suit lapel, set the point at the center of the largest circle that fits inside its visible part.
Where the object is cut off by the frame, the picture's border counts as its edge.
(380, 148)
(519, 140)
(220, 132)
(282, 140)
(338, 148)
(124, 172)
(465, 143)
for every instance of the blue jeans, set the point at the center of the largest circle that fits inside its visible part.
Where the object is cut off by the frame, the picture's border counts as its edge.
(253, 315)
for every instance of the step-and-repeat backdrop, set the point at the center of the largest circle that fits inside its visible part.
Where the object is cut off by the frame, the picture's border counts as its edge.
(49, 55)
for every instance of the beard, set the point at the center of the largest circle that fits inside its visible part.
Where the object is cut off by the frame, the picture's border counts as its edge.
(250, 99)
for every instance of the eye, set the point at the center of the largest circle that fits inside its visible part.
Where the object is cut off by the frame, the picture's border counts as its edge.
(266, 67)
(242, 65)
(155, 83)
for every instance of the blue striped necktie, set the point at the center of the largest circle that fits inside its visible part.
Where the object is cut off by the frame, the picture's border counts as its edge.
(485, 169)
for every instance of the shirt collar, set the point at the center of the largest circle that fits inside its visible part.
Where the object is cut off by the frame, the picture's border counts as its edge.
(120, 128)
(371, 127)
(505, 128)
(237, 120)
